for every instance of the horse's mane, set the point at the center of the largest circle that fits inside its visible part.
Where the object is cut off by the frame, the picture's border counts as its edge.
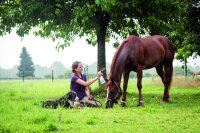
(116, 56)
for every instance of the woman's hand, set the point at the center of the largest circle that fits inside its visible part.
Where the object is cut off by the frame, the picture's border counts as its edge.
(99, 74)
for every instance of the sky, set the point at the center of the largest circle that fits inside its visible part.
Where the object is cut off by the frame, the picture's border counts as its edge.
(44, 52)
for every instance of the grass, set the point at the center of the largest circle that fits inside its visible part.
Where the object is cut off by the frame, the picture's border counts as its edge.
(21, 111)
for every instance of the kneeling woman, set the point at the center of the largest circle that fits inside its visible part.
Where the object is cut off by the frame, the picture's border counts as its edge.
(79, 85)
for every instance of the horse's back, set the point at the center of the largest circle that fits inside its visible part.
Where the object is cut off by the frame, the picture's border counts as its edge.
(169, 48)
(152, 40)
(157, 38)
(153, 50)
(160, 44)
(158, 41)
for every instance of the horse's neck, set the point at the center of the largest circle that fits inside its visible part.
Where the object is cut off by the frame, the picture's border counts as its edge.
(117, 77)
(117, 72)
(119, 62)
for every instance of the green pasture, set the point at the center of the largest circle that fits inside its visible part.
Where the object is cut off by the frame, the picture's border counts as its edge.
(21, 111)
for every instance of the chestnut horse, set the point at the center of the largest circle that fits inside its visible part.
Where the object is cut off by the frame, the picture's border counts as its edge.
(137, 54)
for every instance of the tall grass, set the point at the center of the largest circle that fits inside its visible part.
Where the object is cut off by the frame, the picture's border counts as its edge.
(180, 81)
(21, 111)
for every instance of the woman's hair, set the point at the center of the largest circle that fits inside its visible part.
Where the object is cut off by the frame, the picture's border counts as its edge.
(75, 65)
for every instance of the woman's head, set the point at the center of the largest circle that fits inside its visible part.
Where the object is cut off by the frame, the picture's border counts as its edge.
(77, 67)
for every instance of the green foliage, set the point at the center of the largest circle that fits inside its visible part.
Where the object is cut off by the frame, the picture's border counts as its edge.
(100, 20)
(60, 19)
(188, 37)
(26, 65)
(194, 20)
(68, 74)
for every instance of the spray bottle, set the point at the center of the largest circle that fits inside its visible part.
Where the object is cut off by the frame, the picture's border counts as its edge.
(101, 79)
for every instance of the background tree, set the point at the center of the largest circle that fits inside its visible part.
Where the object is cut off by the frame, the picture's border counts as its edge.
(58, 68)
(25, 68)
(189, 39)
(179, 71)
(96, 20)
(193, 27)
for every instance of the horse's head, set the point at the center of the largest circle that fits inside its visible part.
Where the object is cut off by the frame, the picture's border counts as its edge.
(113, 93)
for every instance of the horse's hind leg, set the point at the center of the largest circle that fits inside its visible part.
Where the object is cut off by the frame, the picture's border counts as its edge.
(126, 77)
(160, 71)
(168, 68)
(139, 85)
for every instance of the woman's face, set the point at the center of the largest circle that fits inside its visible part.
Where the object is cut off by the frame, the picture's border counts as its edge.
(79, 69)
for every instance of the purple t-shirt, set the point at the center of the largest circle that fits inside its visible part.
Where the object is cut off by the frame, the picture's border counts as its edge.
(79, 89)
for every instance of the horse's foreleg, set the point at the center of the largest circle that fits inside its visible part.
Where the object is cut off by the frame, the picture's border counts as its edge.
(168, 78)
(126, 77)
(139, 85)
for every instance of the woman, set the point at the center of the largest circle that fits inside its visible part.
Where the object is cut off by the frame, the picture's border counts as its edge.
(79, 85)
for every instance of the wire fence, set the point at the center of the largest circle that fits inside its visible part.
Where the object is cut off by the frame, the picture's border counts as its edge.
(51, 76)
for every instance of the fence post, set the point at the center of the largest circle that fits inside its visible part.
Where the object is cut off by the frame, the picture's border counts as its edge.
(52, 78)
(23, 76)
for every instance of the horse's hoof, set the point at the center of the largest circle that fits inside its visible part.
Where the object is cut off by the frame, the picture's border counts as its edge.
(123, 104)
(140, 104)
(164, 101)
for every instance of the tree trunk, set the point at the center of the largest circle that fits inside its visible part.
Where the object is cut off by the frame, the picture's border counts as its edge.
(103, 20)
(101, 56)
(185, 67)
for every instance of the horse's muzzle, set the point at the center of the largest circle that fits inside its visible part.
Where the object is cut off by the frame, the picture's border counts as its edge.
(110, 103)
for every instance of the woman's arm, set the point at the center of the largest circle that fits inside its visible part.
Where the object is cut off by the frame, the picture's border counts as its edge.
(87, 91)
(84, 83)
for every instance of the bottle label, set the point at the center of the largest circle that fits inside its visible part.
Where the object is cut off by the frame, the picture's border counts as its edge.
(101, 80)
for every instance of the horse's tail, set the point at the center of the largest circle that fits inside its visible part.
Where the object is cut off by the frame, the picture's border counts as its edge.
(171, 75)
(168, 61)
(168, 65)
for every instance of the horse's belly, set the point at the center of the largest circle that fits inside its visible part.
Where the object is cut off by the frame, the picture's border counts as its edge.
(153, 59)
(149, 66)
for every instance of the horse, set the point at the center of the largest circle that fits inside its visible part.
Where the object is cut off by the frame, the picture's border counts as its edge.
(137, 54)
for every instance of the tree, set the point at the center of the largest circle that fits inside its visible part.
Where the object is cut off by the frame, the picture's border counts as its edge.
(96, 20)
(179, 71)
(25, 68)
(58, 68)
(188, 42)
(193, 25)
